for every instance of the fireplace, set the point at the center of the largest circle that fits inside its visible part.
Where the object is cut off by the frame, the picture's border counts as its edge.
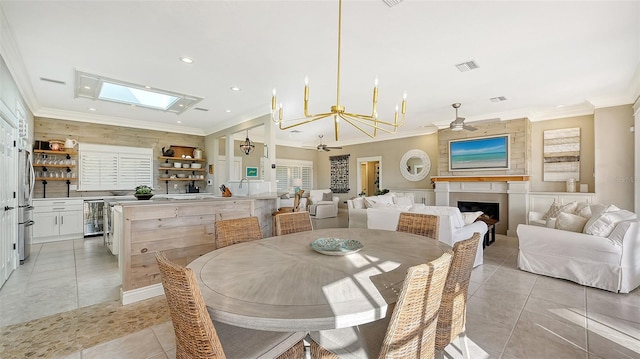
(490, 209)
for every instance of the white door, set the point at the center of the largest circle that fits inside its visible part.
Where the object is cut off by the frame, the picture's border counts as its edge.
(8, 201)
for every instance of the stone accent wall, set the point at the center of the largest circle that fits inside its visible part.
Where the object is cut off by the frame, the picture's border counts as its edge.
(519, 146)
(47, 128)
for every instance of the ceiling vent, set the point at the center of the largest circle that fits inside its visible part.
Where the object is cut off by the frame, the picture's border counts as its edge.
(392, 3)
(53, 81)
(467, 66)
(498, 99)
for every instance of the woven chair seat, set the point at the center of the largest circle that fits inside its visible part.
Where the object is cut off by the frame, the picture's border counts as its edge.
(293, 222)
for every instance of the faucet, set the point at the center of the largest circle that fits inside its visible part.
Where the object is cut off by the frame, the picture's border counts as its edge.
(248, 186)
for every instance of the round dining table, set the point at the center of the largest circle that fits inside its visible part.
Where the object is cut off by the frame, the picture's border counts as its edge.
(282, 284)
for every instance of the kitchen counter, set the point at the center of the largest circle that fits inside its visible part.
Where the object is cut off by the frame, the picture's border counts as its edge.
(180, 225)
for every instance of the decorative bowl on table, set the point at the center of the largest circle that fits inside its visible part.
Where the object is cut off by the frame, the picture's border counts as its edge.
(336, 246)
(143, 196)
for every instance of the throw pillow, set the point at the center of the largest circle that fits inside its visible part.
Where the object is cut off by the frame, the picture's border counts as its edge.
(386, 199)
(370, 201)
(596, 211)
(470, 217)
(403, 201)
(358, 203)
(607, 221)
(557, 208)
(327, 196)
(570, 222)
(583, 209)
(551, 223)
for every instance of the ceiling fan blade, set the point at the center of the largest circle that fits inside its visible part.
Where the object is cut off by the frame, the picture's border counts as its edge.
(333, 148)
(459, 120)
(469, 128)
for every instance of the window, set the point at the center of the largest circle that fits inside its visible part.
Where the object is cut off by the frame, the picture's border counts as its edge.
(288, 170)
(107, 168)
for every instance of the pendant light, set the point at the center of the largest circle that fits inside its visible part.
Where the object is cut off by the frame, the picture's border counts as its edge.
(247, 146)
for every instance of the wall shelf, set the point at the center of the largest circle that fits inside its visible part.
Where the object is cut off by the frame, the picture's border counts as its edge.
(182, 159)
(50, 152)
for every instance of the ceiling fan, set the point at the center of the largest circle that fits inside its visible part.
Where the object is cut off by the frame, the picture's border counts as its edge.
(324, 148)
(458, 124)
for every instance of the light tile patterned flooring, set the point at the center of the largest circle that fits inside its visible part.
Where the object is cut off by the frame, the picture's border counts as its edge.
(511, 314)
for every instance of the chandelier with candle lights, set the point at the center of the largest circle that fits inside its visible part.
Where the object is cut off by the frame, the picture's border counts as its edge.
(367, 124)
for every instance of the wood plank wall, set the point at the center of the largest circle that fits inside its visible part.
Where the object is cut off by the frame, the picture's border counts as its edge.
(47, 128)
(184, 231)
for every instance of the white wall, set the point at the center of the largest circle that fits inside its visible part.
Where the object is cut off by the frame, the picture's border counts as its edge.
(614, 156)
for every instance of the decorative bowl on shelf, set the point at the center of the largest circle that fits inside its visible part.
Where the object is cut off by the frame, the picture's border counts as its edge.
(181, 175)
(143, 196)
(165, 165)
(196, 165)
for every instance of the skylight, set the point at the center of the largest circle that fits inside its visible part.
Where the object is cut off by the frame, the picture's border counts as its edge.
(97, 87)
(134, 96)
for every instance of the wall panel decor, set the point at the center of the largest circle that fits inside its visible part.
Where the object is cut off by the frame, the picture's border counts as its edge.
(339, 174)
(562, 154)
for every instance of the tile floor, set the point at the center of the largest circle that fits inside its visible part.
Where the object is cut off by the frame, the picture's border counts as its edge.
(511, 314)
(58, 277)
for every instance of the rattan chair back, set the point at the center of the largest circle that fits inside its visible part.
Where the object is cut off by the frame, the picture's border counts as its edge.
(196, 338)
(453, 309)
(237, 230)
(419, 223)
(293, 222)
(412, 330)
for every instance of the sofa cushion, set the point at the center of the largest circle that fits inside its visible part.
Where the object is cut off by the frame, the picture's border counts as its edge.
(606, 222)
(550, 223)
(570, 222)
(470, 217)
(386, 199)
(397, 207)
(327, 196)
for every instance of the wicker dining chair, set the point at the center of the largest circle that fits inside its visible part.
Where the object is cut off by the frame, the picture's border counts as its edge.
(453, 308)
(237, 230)
(196, 336)
(419, 223)
(293, 222)
(411, 331)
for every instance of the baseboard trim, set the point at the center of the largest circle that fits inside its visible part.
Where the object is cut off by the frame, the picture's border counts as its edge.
(136, 295)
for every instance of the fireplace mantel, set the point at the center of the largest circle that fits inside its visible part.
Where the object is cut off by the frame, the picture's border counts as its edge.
(514, 187)
(490, 178)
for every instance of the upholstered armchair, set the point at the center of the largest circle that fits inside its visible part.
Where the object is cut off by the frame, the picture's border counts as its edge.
(323, 203)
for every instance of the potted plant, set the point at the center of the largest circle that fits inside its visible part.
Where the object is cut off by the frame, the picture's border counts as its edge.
(143, 192)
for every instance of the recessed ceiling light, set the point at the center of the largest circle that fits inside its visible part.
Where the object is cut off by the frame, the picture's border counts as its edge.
(179, 121)
(91, 109)
(235, 88)
(87, 87)
(147, 87)
(181, 105)
(227, 111)
(187, 60)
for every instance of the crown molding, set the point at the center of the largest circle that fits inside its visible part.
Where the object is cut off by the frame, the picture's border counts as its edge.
(114, 121)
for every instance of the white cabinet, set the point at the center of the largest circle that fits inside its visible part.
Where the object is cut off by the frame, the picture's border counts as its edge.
(57, 220)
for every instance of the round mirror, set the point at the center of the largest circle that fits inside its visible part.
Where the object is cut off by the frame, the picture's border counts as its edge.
(415, 165)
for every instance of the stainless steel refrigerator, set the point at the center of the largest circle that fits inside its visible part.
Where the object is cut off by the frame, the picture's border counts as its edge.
(26, 179)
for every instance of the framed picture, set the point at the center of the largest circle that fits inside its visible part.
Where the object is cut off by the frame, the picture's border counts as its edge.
(252, 172)
(482, 153)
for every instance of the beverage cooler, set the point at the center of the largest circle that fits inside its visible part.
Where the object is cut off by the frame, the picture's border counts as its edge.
(93, 217)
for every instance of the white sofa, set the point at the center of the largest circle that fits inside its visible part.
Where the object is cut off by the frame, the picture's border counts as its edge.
(606, 258)
(322, 209)
(452, 228)
(384, 213)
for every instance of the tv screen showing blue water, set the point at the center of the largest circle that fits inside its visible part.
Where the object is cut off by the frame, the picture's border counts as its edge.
(480, 153)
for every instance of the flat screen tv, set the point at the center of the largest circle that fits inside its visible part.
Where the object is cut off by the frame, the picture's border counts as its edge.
(481, 153)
